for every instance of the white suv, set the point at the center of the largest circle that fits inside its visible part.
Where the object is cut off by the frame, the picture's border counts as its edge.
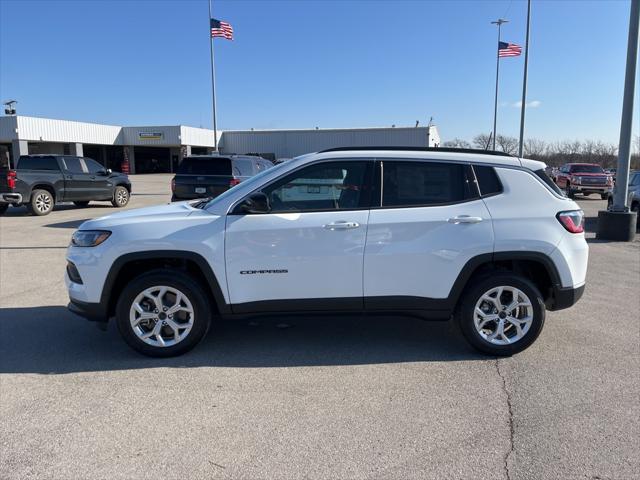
(482, 237)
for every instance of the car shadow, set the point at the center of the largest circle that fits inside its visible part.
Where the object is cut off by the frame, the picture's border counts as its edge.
(22, 210)
(69, 224)
(51, 340)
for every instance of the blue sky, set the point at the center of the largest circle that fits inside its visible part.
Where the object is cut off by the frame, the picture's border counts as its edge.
(330, 63)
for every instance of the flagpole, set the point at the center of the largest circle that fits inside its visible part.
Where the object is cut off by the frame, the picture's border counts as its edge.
(213, 85)
(498, 22)
(524, 82)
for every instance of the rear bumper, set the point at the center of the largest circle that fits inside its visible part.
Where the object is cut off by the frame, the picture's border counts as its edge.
(10, 198)
(564, 297)
(94, 312)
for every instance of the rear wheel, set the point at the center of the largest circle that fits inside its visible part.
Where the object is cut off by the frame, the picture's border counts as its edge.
(3, 208)
(120, 197)
(41, 203)
(81, 204)
(502, 314)
(163, 313)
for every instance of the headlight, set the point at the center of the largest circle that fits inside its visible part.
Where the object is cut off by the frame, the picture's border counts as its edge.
(89, 238)
(576, 180)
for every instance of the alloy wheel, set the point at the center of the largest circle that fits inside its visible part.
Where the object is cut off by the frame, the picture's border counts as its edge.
(43, 202)
(503, 315)
(161, 316)
(121, 196)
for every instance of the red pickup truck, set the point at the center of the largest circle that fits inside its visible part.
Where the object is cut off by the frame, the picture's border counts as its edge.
(584, 178)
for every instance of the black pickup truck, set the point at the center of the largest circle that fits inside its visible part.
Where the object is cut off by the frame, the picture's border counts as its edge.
(41, 181)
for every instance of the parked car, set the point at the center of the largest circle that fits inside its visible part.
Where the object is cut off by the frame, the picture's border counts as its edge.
(41, 181)
(202, 176)
(434, 233)
(633, 193)
(584, 178)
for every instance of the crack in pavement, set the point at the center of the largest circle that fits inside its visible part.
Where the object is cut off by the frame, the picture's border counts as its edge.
(511, 449)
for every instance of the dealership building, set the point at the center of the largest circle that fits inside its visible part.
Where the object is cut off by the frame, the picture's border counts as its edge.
(160, 149)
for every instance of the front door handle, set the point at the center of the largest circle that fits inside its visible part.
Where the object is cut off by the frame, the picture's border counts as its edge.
(464, 219)
(341, 225)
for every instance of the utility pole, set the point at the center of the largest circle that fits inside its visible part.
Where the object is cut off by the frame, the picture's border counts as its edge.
(498, 22)
(620, 223)
(524, 82)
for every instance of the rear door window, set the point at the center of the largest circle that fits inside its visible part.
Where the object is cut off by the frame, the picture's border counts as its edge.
(416, 184)
(205, 166)
(37, 163)
(73, 165)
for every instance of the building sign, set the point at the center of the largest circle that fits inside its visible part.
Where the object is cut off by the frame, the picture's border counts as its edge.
(150, 135)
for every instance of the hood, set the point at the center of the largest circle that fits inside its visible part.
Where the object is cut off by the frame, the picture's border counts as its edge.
(169, 212)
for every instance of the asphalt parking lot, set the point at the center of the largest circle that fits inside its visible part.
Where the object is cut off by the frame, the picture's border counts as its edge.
(311, 397)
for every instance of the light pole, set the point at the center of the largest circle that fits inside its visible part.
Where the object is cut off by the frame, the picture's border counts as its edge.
(524, 82)
(620, 223)
(499, 23)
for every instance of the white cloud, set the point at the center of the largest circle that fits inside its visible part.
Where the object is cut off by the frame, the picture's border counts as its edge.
(531, 104)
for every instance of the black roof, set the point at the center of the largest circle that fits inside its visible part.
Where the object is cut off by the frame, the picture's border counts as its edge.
(421, 149)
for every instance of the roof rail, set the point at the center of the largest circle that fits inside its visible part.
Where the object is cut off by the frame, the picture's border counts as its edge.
(422, 149)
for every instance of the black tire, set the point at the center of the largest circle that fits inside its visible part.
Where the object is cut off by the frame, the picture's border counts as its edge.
(174, 279)
(570, 193)
(604, 196)
(609, 202)
(3, 208)
(41, 203)
(120, 197)
(82, 204)
(465, 314)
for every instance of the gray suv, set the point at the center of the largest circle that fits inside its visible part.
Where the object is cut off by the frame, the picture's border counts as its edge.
(633, 193)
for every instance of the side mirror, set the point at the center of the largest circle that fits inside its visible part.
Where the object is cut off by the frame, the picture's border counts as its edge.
(257, 202)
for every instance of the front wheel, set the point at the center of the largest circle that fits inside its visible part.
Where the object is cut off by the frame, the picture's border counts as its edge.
(120, 197)
(502, 314)
(163, 313)
(604, 196)
(3, 208)
(41, 203)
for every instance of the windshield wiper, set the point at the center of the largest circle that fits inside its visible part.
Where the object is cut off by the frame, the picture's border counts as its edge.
(202, 203)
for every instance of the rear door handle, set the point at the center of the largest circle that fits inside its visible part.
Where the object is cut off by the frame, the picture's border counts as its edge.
(464, 219)
(341, 225)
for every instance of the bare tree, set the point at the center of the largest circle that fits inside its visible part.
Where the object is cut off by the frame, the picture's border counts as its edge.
(507, 144)
(482, 140)
(534, 148)
(457, 143)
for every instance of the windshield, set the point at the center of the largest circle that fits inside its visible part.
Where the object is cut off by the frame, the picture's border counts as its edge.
(250, 182)
(586, 169)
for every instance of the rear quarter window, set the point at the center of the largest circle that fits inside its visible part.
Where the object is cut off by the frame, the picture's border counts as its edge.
(37, 163)
(542, 175)
(488, 181)
(205, 166)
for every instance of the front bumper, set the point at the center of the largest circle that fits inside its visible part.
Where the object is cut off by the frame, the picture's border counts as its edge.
(94, 312)
(564, 297)
(13, 198)
(590, 188)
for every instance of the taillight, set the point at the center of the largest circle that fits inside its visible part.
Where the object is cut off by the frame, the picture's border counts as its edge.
(11, 179)
(173, 185)
(234, 182)
(572, 221)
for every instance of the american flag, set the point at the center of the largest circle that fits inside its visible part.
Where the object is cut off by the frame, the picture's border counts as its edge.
(221, 29)
(509, 50)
